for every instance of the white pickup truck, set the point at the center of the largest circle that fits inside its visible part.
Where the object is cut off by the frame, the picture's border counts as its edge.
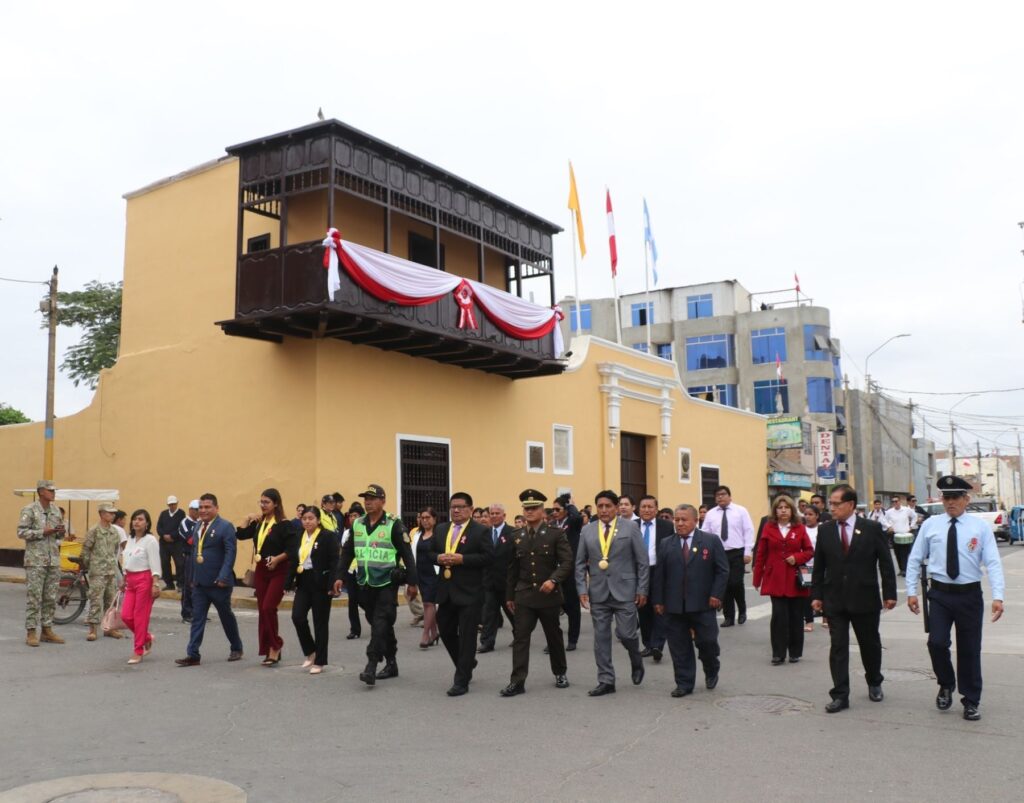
(983, 507)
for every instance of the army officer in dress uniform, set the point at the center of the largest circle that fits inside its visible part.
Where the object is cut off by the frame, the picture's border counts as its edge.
(541, 562)
(956, 545)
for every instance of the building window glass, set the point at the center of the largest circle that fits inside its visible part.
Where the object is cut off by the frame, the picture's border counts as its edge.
(816, 345)
(765, 344)
(819, 394)
(642, 314)
(640, 347)
(584, 317)
(837, 372)
(723, 394)
(665, 351)
(561, 443)
(765, 393)
(710, 351)
(535, 457)
(699, 306)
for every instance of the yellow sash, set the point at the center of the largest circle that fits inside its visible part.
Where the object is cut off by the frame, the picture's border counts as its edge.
(265, 527)
(606, 543)
(306, 547)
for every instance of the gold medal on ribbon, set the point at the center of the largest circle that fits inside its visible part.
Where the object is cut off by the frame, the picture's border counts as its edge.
(199, 559)
(447, 574)
(605, 542)
(603, 564)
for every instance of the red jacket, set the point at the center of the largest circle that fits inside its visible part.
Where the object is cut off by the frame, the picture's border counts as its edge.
(772, 574)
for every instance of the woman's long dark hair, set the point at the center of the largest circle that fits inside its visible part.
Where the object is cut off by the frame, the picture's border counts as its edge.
(149, 520)
(275, 496)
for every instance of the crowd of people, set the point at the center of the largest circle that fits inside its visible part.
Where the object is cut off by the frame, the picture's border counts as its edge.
(661, 576)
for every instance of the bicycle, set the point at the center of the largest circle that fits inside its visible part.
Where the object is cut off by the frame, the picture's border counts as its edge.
(72, 595)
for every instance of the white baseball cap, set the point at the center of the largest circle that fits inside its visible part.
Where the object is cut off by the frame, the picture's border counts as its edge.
(172, 500)
(193, 505)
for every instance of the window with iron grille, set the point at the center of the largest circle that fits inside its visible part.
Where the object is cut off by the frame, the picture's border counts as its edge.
(424, 478)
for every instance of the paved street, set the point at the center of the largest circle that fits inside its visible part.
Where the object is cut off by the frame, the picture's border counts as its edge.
(282, 735)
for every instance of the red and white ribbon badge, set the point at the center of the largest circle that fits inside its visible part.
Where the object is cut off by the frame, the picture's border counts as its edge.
(464, 298)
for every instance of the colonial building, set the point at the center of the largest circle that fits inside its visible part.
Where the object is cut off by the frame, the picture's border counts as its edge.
(259, 350)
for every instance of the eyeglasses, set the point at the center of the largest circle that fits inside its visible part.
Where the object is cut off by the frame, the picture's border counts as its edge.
(458, 507)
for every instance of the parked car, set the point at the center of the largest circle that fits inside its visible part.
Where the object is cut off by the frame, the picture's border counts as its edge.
(985, 508)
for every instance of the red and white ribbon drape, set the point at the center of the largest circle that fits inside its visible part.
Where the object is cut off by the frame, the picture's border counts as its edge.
(332, 253)
(406, 283)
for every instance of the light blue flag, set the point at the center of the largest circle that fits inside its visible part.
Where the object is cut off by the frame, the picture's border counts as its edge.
(649, 240)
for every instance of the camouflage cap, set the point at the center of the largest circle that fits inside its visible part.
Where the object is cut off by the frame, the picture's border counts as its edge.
(106, 507)
(47, 484)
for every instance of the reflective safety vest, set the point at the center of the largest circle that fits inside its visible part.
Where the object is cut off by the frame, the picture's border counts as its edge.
(376, 556)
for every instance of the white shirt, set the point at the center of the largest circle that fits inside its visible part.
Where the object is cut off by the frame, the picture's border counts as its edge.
(142, 555)
(741, 529)
(121, 534)
(652, 545)
(877, 515)
(900, 520)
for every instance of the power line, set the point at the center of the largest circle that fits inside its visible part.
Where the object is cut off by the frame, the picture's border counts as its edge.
(22, 281)
(951, 393)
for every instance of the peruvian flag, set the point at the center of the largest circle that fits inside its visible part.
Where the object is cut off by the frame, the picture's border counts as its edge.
(778, 366)
(611, 231)
(797, 280)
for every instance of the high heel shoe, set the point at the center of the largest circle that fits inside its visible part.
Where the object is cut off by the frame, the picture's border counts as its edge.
(268, 661)
(309, 661)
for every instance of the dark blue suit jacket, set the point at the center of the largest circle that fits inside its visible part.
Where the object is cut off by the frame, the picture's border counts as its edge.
(686, 588)
(219, 548)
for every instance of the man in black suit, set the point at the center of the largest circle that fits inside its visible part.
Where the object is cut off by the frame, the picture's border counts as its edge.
(654, 531)
(567, 516)
(494, 590)
(850, 553)
(463, 550)
(687, 586)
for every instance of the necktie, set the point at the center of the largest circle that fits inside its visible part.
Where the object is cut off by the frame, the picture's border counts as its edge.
(647, 534)
(952, 553)
(725, 525)
(686, 552)
(494, 536)
(846, 538)
(607, 527)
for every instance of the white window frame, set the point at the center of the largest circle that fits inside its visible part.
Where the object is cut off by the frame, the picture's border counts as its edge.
(543, 454)
(554, 466)
(689, 479)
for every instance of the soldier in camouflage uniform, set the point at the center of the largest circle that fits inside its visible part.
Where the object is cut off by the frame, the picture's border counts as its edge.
(41, 526)
(99, 559)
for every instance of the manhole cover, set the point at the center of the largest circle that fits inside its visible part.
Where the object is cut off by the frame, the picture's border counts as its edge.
(899, 675)
(765, 704)
(122, 794)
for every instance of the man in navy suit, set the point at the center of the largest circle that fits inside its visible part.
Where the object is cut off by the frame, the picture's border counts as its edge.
(687, 586)
(213, 560)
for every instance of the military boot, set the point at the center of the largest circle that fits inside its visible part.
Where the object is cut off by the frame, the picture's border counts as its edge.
(113, 634)
(32, 639)
(390, 670)
(50, 636)
(92, 633)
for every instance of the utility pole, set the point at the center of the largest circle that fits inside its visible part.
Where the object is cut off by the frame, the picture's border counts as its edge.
(981, 476)
(51, 368)
(1020, 471)
(851, 475)
(869, 448)
(913, 460)
(952, 446)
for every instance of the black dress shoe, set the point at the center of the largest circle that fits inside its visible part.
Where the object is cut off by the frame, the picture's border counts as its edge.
(351, 636)
(728, 624)
(647, 652)
(971, 713)
(837, 705)
(776, 660)
(710, 681)
(602, 689)
(656, 655)
(512, 689)
(235, 655)
(570, 646)
(546, 650)
(457, 691)
(875, 694)
(794, 659)
(742, 618)
(485, 648)
(187, 661)
(561, 682)
(679, 691)
(944, 700)
(638, 673)
(390, 670)
(369, 674)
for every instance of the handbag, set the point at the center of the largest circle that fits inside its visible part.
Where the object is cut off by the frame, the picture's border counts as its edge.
(112, 618)
(249, 578)
(803, 576)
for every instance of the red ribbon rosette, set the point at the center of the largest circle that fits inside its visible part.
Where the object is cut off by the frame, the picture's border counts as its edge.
(464, 298)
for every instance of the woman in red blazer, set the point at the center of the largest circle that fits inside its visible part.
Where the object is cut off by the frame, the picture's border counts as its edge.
(784, 545)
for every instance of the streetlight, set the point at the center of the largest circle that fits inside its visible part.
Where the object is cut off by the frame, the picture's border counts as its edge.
(952, 435)
(869, 462)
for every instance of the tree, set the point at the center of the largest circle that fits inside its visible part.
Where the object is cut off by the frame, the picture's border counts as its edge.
(11, 415)
(97, 310)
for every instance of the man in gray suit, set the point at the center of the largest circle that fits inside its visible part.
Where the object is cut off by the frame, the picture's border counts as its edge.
(612, 553)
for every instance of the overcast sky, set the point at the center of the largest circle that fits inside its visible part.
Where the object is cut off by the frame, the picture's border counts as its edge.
(876, 149)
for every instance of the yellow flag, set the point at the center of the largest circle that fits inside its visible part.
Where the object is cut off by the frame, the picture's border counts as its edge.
(574, 205)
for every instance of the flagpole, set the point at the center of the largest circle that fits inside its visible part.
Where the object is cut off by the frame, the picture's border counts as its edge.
(575, 272)
(647, 295)
(618, 311)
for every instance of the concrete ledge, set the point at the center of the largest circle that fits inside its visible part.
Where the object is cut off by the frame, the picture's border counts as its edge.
(127, 786)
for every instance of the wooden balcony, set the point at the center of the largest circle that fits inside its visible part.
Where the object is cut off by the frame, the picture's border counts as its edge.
(282, 292)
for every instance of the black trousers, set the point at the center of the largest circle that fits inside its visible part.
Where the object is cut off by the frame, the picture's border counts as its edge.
(735, 596)
(168, 552)
(352, 587)
(494, 607)
(525, 621)
(787, 626)
(309, 597)
(902, 552)
(381, 607)
(966, 611)
(571, 606)
(865, 625)
(652, 627)
(680, 645)
(457, 626)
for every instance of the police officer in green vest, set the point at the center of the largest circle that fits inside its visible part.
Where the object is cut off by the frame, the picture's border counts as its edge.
(378, 543)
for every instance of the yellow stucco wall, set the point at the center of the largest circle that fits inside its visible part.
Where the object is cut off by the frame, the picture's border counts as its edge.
(188, 409)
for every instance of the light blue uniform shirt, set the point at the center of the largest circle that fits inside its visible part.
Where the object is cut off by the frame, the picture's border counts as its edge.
(975, 543)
